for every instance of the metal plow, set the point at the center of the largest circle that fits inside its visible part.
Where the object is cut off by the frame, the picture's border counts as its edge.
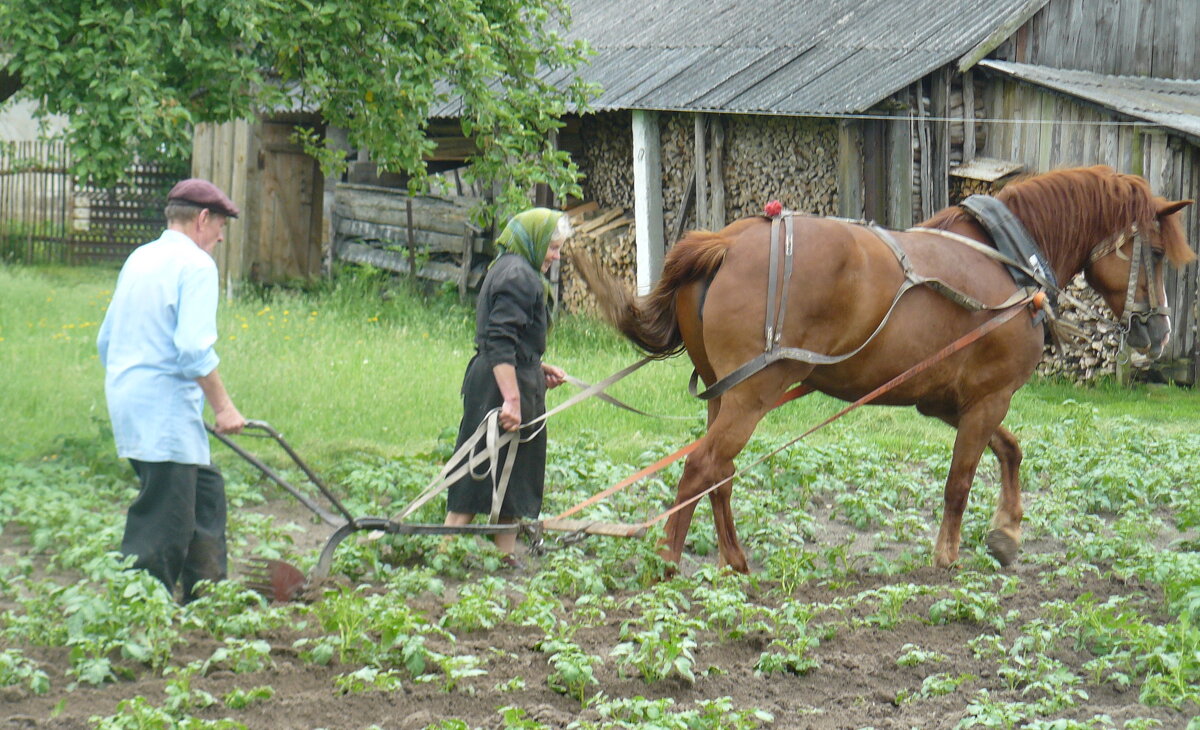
(279, 580)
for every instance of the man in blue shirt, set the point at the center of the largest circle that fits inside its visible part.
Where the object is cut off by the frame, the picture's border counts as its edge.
(156, 344)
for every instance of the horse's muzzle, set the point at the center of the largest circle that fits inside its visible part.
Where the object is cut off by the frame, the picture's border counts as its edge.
(1150, 335)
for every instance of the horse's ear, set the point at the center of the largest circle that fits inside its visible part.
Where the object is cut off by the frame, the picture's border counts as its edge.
(1170, 207)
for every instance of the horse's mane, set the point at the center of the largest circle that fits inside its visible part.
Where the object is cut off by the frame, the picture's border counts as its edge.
(1069, 211)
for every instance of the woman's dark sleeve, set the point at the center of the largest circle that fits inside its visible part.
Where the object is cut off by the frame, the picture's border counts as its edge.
(513, 299)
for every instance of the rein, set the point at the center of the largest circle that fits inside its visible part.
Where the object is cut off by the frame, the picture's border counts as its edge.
(466, 458)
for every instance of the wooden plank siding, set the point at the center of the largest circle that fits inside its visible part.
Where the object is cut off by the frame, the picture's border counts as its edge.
(1140, 38)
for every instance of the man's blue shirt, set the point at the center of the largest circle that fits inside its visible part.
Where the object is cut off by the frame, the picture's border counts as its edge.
(156, 339)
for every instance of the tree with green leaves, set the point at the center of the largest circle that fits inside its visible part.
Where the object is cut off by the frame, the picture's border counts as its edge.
(134, 77)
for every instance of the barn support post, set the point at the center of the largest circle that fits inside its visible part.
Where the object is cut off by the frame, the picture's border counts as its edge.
(939, 109)
(850, 169)
(647, 197)
(716, 216)
(968, 116)
(700, 155)
(899, 172)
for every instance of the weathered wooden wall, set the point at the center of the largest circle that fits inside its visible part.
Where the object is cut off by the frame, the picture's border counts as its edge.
(220, 154)
(1126, 37)
(388, 229)
(279, 234)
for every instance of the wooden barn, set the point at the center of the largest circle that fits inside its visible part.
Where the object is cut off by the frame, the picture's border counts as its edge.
(1114, 83)
(885, 110)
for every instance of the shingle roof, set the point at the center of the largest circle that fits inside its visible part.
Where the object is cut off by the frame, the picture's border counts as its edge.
(794, 57)
(1171, 103)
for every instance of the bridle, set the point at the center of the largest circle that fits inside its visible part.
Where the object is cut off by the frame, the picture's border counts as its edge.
(1141, 260)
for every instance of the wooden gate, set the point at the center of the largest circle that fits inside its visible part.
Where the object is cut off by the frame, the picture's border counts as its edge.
(280, 190)
(47, 216)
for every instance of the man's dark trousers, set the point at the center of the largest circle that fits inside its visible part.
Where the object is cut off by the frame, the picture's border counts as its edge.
(176, 526)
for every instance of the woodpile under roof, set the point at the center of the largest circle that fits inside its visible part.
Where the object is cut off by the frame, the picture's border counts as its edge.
(608, 235)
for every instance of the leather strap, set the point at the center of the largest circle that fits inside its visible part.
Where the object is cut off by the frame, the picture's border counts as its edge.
(466, 458)
(1011, 238)
(773, 352)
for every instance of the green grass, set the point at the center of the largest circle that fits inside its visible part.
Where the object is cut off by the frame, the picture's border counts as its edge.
(353, 367)
(1105, 599)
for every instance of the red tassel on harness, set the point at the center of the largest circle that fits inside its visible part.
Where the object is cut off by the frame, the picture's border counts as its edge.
(773, 209)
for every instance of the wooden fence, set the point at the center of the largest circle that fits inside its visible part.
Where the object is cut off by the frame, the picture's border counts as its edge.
(47, 216)
(391, 230)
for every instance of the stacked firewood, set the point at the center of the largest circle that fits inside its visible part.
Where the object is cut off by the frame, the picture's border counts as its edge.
(792, 160)
(607, 234)
(1095, 357)
(607, 160)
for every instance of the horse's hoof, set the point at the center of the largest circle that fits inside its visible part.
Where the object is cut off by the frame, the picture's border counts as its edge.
(1003, 547)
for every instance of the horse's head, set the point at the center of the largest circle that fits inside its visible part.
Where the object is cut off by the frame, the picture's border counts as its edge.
(1128, 274)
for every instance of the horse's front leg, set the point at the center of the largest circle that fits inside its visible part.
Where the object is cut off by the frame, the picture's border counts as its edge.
(1004, 541)
(975, 428)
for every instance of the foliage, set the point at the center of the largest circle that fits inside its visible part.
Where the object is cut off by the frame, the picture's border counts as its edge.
(18, 669)
(707, 715)
(661, 642)
(574, 670)
(134, 81)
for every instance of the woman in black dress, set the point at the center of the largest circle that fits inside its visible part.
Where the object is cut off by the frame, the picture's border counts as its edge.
(507, 372)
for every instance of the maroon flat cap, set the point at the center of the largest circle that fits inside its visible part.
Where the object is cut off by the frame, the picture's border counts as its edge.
(200, 192)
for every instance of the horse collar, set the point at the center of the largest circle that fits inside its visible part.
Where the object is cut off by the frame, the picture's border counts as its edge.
(1013, 240)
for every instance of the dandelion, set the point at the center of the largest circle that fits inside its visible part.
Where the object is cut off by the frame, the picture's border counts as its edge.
(245, 326)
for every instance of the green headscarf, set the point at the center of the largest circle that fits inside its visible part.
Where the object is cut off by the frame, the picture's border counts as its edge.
(528, 234)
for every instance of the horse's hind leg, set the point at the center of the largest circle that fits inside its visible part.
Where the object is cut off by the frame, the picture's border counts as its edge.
(1004, 540)
(739, 412)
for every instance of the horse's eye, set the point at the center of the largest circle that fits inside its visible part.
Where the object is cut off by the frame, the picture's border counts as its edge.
(1158, 253)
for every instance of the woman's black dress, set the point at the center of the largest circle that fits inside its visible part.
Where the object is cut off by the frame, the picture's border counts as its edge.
(510, 327)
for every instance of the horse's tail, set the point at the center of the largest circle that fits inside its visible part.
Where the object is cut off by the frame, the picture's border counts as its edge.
(649, 321)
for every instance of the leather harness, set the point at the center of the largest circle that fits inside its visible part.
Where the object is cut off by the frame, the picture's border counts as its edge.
(1018, 247)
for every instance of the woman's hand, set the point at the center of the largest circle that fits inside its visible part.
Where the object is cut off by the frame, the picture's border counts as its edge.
(554, 376)
(510, 415)
(510, 409)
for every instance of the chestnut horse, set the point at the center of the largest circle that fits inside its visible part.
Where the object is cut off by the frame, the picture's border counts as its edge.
(711, 301)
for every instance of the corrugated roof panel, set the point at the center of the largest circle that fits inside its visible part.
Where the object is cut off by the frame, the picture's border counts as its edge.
(772, 56)
(744, 68)
(679, 66)
(1173, 103)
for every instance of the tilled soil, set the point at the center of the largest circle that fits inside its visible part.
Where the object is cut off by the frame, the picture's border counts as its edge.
(856, 683)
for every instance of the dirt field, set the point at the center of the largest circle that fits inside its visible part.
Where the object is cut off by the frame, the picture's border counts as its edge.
(856, 683)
